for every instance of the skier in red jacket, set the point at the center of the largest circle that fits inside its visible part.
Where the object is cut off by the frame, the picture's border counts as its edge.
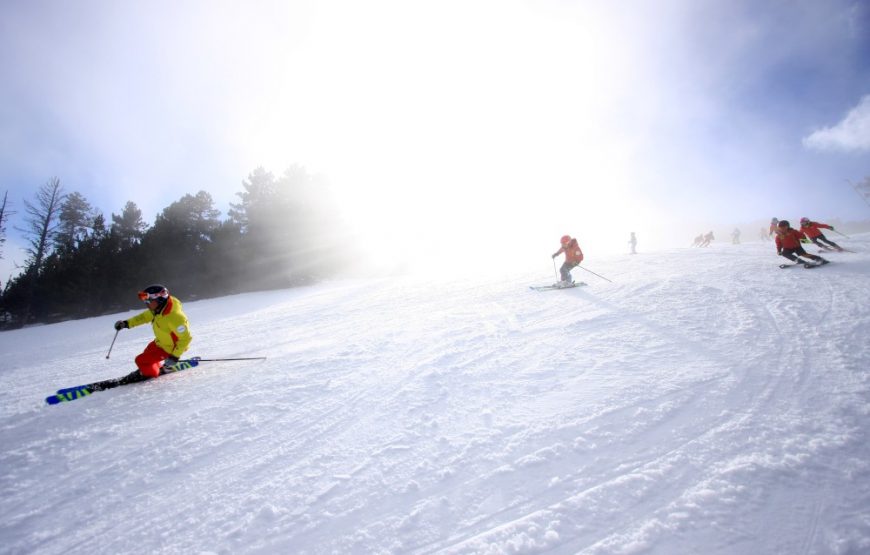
(814, 234)
(573, 258)
(788, 244)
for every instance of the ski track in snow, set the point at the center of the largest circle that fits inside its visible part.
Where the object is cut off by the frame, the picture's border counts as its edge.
(704, 402)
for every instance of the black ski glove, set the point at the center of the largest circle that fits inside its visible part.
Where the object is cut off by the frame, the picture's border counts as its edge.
(121, 324)
(170, 361)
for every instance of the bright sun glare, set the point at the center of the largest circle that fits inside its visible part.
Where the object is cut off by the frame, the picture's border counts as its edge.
(450, 148)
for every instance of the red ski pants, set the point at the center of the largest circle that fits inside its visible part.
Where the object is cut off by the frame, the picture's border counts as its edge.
(151, 359)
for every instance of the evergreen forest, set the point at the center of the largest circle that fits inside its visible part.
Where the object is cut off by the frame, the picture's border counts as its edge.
(282, 233)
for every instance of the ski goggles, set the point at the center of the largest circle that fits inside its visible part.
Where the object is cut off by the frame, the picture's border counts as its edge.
(146, 297)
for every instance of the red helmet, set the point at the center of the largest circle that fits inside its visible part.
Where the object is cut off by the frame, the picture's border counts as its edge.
(565, 239)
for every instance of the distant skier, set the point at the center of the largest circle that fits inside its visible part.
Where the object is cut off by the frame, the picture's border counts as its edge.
(773, 223)
(698, 240)
(633, 242)
(735, 236)
(171, 332)
(706, 240)
(788, 244)
(573, 258)
(814, 234)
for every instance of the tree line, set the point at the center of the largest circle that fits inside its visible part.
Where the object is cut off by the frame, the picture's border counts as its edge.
(281, 233)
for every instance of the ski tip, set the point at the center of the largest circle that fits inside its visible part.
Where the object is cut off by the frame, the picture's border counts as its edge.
(180, 365)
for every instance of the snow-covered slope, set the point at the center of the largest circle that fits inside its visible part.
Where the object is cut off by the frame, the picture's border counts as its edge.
(704, 402)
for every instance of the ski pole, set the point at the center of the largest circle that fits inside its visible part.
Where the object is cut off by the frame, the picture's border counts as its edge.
(843, 234)
(227, 359)
(113, 343)
(555, 271)
(593, 273)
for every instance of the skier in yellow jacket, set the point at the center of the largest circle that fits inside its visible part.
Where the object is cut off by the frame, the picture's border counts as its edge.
(171, 332)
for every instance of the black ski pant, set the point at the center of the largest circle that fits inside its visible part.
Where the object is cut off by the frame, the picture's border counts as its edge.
(565, 270)
(792, 254)
(821, 237)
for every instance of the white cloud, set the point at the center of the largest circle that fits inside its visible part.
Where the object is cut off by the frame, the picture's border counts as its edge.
(852, 133)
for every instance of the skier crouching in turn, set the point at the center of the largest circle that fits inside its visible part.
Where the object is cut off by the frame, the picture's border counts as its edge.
(788, 244)
(573, 258)
(171, 333)
(814, 233)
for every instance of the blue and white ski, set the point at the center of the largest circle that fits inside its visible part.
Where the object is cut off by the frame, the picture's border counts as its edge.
(72, 393)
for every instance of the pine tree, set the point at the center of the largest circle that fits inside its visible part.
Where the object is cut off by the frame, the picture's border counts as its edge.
(41, 225)
(42, 221)
(174, 249)
(259, 194)
(75, 221)
(4, 217)
(288, 231)
(128, 226)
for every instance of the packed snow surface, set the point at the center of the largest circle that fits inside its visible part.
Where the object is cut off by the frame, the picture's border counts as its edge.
(705, 401)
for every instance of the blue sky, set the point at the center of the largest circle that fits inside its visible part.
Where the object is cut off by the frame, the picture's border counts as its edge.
(439, 123)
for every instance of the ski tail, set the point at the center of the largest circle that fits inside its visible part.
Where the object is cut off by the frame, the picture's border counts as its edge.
(816, 264)
(68, 394)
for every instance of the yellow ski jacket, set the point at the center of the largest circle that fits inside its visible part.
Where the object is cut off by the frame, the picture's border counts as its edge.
(171, 329)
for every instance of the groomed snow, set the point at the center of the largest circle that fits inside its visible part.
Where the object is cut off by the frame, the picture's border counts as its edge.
(704, 402)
